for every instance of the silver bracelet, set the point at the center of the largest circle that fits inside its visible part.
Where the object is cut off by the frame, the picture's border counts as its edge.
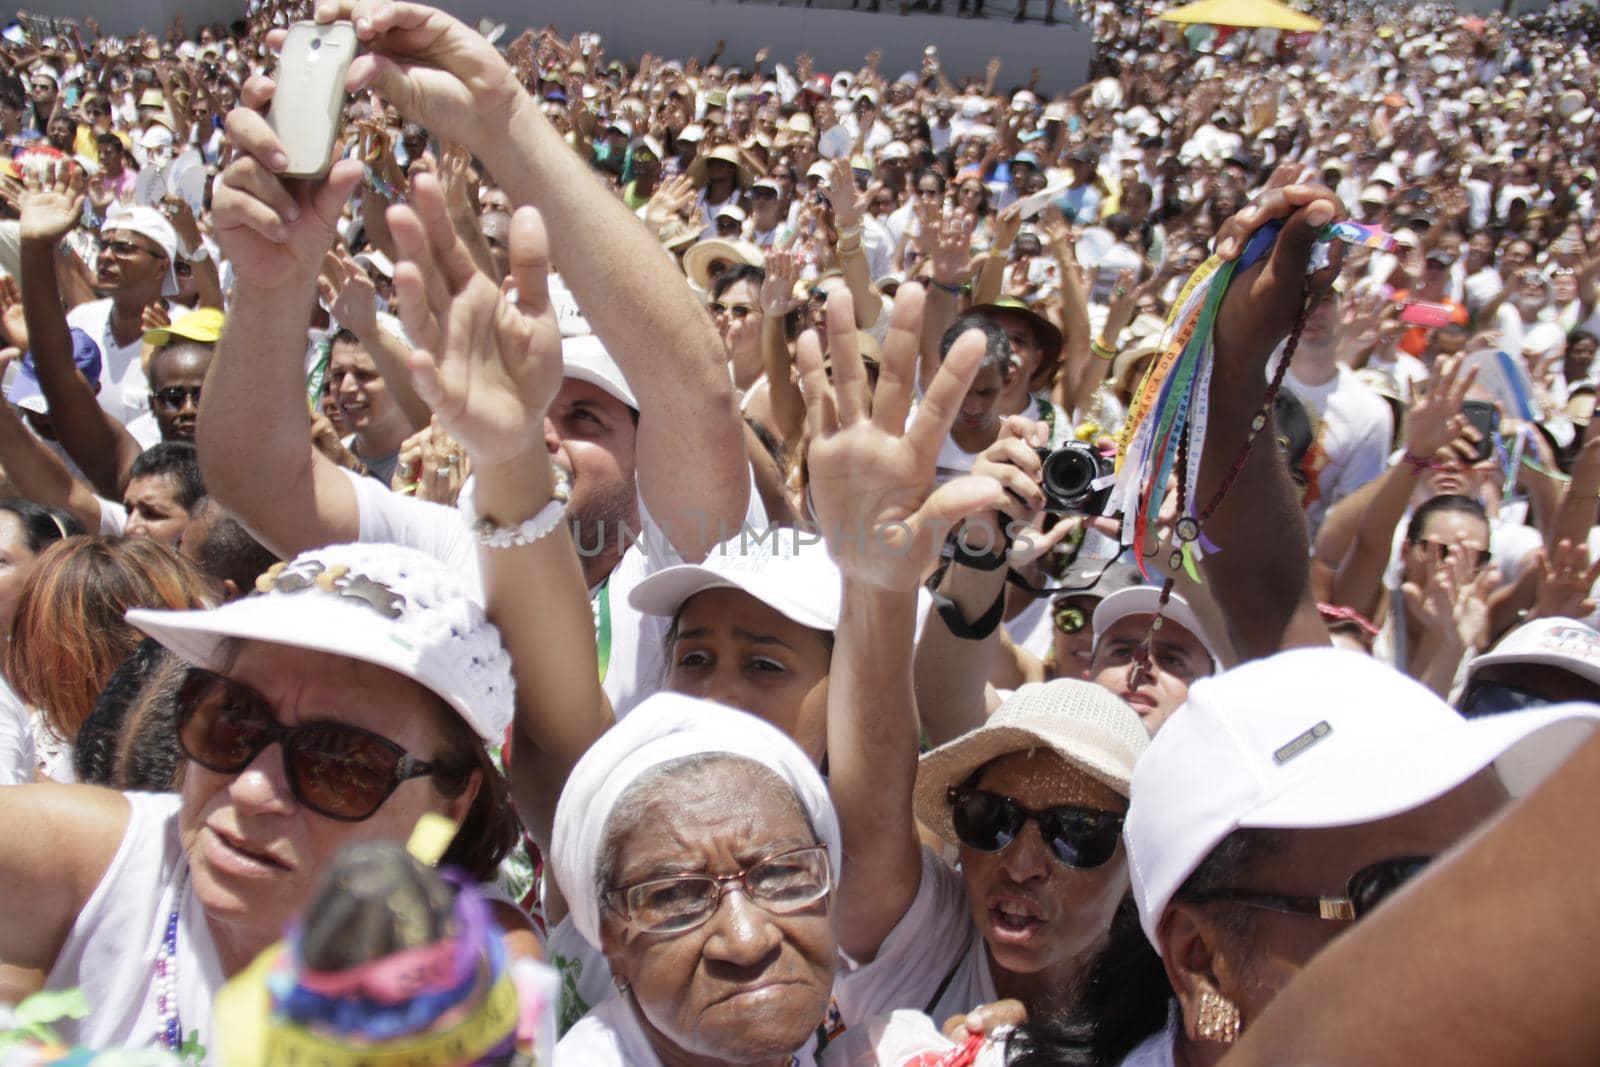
(541, 525)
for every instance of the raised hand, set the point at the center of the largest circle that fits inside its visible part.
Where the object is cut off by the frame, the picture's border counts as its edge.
(455, 176)
(13, 326)
(1435, 418)
(435, 69)
(51, 202)
(1567, 584)
(273, 230)
(348, 293)
(951, 249)
(1007, 225)
(488, 367)
(1263, 302)
(777, 289)
(847, 203)
(872, 479)
(154, 317)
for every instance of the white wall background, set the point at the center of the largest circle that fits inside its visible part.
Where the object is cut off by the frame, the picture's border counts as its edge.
(836, 39)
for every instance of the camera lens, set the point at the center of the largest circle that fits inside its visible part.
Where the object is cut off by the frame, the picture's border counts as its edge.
(1069, 474)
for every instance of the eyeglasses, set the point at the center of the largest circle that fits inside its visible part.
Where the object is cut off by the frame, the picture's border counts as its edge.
(340, 771)
(738, 311)
(1366, 889)
(1081, 838)
(173, 396)
(1070, 619)
(1438, 550)
(781, 885)
(1496, 698)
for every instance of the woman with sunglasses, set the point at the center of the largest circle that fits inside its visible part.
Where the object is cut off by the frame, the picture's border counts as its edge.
(1033, 800)
(148, 902)
(1310, 813)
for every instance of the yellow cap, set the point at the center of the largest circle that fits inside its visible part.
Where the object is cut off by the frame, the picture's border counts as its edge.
(203, 325)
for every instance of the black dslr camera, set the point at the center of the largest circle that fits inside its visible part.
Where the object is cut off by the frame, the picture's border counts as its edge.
(1068, 475)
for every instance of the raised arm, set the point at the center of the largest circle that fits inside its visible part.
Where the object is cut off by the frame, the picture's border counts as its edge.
(847, 208)
(872, 484)
(1434, 421)
(254, 429)
(490, 368)
(97, 443)
(1261, 575)
(692, 467)
(38, 474)
(777, 302)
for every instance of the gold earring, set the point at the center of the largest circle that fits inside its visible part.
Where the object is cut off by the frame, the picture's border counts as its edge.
(1219, 1018)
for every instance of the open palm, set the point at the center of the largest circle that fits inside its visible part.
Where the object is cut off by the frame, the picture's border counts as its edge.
(487, 366)
(872, 478)
(51, 202)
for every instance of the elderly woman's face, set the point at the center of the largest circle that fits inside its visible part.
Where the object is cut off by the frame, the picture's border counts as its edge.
(1038, 916)
(748, 985)
(730, 647)
(255, 852)
(1320, 863)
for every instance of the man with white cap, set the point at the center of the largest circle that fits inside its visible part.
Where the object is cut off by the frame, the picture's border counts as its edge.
(138, 249)
(1308, 813)
(669, 465)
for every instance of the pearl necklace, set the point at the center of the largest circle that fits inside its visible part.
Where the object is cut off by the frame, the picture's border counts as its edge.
(170, 1032)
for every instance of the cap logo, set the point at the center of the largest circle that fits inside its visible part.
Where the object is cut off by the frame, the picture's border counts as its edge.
(1301, 743)
(284, 578)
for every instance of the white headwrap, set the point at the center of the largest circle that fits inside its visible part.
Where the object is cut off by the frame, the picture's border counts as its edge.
(667, 727)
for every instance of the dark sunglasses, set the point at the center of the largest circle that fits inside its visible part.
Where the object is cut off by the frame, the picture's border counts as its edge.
(738, 311)
(1480, 557)
(1496, 698)
(173, 396)
(1080, 837)
(1366, 889)
(340, 771)
(124, 249)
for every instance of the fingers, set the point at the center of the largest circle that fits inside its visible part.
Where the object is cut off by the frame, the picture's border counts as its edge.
(427, 196)
(530, 261)
(891, 403)
(250, 133)
(821, 419)
(844, 353)
(412, 242)
(955, 502)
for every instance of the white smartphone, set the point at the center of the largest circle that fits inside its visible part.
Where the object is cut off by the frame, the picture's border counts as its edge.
(309, 102)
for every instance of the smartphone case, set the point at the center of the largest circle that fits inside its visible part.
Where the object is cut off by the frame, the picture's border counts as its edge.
(309, 101)
(1430, 316)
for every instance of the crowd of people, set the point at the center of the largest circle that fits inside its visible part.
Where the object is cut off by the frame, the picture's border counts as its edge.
(715, 455)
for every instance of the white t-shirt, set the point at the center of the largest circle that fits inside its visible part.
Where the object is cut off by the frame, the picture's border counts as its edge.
(633, 662)
(933, 961)
(18, 757)
(124, 391)
(111, 950)
(1353, 429)
(610, 1036)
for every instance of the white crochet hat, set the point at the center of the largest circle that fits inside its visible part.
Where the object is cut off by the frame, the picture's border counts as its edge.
(394, 607)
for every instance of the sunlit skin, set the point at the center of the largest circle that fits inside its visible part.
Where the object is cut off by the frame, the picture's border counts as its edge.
(1275, 947)
(729, 647)
(1042, 921)
(591, 435)
(154, 509)
(1155, 685)
(368, 407)
(1457, 530)
(1025, 356)
(747, 986)
(255, 853)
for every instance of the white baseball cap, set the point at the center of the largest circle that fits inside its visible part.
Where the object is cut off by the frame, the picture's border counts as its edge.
(394, 607)
(1309, 739)
(151, 224)
(1566, 644)
(1146, 600)
(792, 576)
(587, 360)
